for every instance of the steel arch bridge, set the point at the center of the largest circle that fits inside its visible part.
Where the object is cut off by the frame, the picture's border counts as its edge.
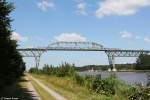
(80, 46)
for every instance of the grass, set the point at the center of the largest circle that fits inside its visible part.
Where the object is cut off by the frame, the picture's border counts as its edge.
(66, 87)
(43, 94)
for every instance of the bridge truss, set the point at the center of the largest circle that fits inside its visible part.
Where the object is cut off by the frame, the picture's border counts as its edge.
(80, 46)
(33, 52)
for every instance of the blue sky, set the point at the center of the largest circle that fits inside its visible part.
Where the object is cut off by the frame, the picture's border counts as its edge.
(112, 23)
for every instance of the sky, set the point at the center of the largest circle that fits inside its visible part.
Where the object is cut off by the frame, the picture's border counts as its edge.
(112, 23)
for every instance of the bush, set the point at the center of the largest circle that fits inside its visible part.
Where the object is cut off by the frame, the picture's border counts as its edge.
(96, 84)
(140, 93)
(88, 82)
(148, 74)
(103, 86)
(78, 79)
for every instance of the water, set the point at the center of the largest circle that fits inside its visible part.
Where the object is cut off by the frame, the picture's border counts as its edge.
(128, 77)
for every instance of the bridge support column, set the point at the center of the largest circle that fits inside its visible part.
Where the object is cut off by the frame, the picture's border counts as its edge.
(111, 60)
(37, 61)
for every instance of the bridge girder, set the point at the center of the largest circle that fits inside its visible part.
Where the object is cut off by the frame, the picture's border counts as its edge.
(126, 53)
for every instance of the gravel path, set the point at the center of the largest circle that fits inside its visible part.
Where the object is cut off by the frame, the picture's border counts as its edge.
(31, 89)
(49, 91)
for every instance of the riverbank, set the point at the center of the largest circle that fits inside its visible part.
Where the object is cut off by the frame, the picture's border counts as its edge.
(72, 91)
(68, 83)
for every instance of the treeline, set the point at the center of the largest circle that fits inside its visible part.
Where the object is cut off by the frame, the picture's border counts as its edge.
(143, 62)
(62, 70)
(11, 63)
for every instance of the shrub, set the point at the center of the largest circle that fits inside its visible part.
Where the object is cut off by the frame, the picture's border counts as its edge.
(96, 84)
(78, 79)
(88, 82)
(140, 93)
(148, 74)
(103, 86)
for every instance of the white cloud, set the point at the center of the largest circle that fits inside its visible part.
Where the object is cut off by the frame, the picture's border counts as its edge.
(126, 35)
(44, 5)
(120, 7)
(18, 37)
(81, 8)
(147, 39)
(70, 37)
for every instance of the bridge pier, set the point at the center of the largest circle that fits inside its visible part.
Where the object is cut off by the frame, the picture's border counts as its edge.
(111, 60)
(37, 61)
(37, 56)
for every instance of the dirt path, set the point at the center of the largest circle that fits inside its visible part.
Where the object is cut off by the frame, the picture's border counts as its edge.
(49, 91)
(35, 95)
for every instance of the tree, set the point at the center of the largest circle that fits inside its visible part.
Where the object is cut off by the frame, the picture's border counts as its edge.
(11, 63)
(143, 62)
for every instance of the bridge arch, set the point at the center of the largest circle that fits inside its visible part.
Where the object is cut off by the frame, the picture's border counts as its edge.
(79, 46)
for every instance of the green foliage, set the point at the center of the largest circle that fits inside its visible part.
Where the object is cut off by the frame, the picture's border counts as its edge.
(35, 70)
(78, 79)
(104, 86)
(148, 74)
(96, 84)
(143, 62)
(140, 93)
(63, 70)
(89, 82)
(11, 63)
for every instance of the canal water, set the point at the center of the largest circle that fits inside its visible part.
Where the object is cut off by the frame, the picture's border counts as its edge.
(128, 77)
